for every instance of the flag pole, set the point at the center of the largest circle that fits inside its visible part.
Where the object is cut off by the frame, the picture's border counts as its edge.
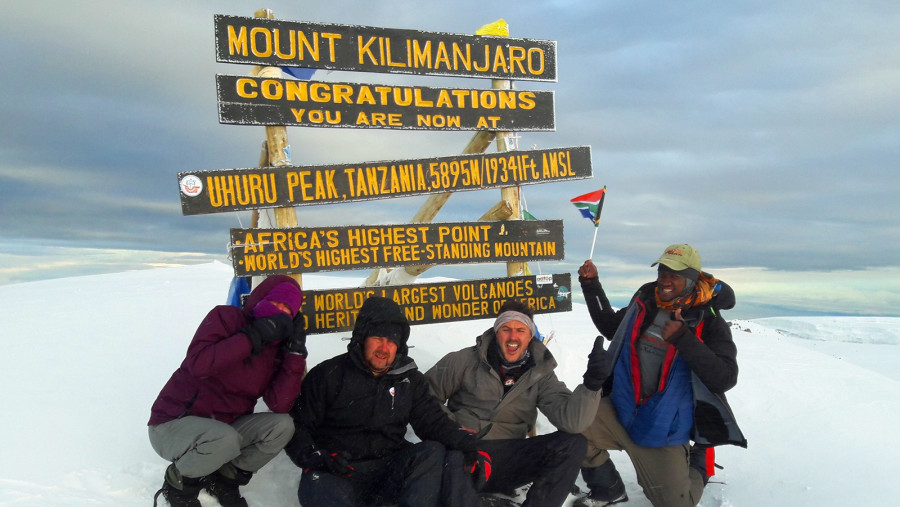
(594, 242)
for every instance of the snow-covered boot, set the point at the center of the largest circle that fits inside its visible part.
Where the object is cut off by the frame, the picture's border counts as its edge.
(224, 484)
(605, 484)
(179, 491)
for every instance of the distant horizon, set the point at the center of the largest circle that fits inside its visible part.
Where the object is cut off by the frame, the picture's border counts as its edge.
(760, 293)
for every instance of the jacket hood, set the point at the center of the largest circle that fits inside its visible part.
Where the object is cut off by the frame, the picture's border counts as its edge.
(725, 298)
(375, 312)
(260, 291)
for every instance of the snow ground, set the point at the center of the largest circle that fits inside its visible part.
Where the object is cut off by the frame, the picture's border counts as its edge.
(84, 358)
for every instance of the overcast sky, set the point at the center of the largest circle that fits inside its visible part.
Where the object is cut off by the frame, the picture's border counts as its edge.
(765, 133)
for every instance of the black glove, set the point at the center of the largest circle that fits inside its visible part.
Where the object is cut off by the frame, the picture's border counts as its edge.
(334, 462)
(268, 330)
(597, 366)
(478, 464)
(296, 344)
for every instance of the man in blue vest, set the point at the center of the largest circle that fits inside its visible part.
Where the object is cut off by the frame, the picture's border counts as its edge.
(670, 361)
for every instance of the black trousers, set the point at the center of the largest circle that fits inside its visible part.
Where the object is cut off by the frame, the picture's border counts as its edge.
(549, 462)
(409, 477)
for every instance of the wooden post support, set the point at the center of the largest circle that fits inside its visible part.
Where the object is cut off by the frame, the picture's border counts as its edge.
(500, 211)
(478, 144)
(263, 162)
(509, 194)
(277, 145)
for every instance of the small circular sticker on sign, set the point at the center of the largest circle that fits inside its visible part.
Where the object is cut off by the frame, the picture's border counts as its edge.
(191, 185)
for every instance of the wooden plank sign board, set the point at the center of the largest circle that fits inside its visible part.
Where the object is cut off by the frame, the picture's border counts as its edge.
(334, 310)
(279, 43)
(268, 187)
(315, 249)
(245, 100)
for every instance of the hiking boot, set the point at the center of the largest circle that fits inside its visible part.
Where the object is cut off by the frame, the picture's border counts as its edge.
(179, 491)
(605, 484)
(224, 483)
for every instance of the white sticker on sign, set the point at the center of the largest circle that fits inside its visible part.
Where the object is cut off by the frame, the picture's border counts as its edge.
(191, 185)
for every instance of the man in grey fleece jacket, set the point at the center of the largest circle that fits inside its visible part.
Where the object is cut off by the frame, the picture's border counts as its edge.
(497, 387)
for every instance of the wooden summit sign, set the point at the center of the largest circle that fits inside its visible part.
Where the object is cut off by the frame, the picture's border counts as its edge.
(279, 43)
(312, 249)
(335, 310)
(266, 187)
(268, 101)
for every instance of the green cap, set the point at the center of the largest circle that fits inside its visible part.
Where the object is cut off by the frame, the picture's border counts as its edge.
(680, 257)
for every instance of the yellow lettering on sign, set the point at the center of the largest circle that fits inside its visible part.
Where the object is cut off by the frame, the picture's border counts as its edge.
(459, 233)
(459, 309)
(286, 45)
(525, 249)
(237, 42)
(245, 189)
(487, 122)
(452, 56)
(438, 120)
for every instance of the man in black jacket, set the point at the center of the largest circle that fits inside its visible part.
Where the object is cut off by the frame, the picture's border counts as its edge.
(351, 419)
(670, 361)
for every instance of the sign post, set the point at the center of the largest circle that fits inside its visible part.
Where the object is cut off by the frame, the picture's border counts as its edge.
(266, 97)
(216, 191)
(314, 249)
(334, 310)
(278, 148)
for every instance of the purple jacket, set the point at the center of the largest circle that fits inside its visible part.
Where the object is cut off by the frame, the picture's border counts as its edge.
(220, 380)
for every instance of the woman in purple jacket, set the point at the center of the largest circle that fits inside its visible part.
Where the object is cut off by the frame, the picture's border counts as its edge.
(203, 420)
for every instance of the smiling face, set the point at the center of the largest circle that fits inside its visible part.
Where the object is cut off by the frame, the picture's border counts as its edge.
(513, 338)
(670, 285)
(379, 354)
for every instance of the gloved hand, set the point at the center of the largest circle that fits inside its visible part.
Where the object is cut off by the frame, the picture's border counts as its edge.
(478, 464)
(268, 330)
(598, 366)
(296, 344)
(334, 462)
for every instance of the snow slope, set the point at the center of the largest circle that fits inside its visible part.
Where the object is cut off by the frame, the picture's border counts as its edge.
(83, 359)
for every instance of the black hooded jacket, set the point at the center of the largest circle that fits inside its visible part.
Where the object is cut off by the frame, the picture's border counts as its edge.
(344, 407)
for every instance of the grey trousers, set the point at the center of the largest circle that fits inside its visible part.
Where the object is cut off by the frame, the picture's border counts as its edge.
(663, 472)
(199, 446)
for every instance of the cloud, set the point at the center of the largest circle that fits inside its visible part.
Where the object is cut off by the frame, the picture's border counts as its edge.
(764, 132)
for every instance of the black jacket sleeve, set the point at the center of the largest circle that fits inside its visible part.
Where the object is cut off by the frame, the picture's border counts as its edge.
(431, 422)
(713, 356)
(307, 412)
(606, 320)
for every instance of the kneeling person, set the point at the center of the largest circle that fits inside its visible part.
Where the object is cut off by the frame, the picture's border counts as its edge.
(671, 359)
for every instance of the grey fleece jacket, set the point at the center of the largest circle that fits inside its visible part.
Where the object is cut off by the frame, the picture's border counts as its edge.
(473, 393)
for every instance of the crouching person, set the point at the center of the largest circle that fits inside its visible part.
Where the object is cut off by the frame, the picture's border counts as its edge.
(498, 386)
(203, 420)
(351, 419)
